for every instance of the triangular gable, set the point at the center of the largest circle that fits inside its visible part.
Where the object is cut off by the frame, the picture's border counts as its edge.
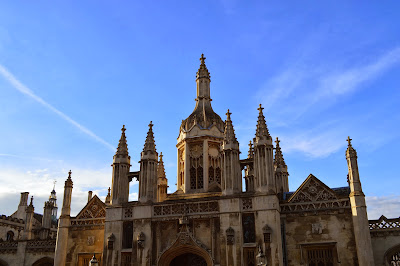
(95, 208)
(313, 190)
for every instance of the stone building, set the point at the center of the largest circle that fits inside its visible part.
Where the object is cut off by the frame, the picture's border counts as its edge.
(29, 238)
(211, 219)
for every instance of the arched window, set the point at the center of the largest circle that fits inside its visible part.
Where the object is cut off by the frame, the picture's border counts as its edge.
(127, 235)
(10, 236)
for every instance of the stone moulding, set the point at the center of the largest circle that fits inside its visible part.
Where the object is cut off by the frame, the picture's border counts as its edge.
(315, 206)
(186, 208)
(41, 246)
(8, 247)
(87, 222)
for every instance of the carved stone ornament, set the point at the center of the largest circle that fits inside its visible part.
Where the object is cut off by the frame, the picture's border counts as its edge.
(90, 240)
(230, 236)
(141, 239)
(316, 228)
(110, 241)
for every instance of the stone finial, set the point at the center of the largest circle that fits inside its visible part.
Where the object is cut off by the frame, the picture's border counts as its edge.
(122, 149)
(160, 167)
(30, 207)
(229, 133)
(251, 150)
(149, 144)
(262, 132)
(68, 182)
(203, 71)
(350, 150)
(279, 161)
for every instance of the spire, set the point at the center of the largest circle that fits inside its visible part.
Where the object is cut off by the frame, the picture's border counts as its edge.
(251, 150)
(160, 167)
(149, 144)
(108, 197)
(278, 161)
(262, 132)
(203, 71)
(229, 134)
(122, 149)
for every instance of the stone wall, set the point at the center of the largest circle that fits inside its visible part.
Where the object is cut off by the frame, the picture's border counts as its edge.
(308, 230)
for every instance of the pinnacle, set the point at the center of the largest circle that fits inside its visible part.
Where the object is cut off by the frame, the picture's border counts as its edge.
(203, 71)
(149, 144)
(160, 167)
(278, 160)
(251, 150)
(229, 134)
(122, 149)
(262, 130)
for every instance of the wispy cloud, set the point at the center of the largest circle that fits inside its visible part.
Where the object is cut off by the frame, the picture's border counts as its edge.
(297, 96)
(18, 85)
(384, 205)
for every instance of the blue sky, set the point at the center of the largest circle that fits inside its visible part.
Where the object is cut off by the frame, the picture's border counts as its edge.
(71, 74)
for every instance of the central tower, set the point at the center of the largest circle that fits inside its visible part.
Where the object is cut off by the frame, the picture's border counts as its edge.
(199, 142)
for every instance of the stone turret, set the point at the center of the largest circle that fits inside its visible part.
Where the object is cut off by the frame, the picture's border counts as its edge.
(64, 224)
(148, 169)
(28, 234)
(232, 178)
(359, 210)
(121, 165)
(53, 201)
(249, 170)
(281, 172)
(263, 157)
(199, 142)
(162, 182)
(108, 197)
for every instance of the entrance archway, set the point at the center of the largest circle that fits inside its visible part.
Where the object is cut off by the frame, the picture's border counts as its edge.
(185, 255)
(46, 261)
(188, 259)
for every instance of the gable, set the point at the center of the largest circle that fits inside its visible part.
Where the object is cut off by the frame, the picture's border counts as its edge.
(313, 190)
(95, 208)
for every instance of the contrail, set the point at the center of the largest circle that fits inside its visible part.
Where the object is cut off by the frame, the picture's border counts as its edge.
(25, 90)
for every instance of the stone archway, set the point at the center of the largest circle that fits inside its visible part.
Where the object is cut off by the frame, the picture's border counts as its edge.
(3, 263)
(392, 256)
(188, 259)
(46, 261)
(188, 254)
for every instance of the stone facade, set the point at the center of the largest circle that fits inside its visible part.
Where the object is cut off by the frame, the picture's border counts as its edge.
(29, 238)
(211, 219)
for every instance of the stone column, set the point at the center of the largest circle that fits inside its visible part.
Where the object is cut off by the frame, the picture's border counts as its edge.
(63, 224)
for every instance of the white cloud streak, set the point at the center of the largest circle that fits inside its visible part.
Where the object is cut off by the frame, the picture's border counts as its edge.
(28, 92)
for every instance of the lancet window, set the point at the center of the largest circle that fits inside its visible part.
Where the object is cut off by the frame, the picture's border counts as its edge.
(196, 166)
(249, 232)
(127, 234)
(181, 168)
(214, 162)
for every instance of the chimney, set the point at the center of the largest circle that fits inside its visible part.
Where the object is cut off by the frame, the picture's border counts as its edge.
(90, 193)
(23, 203)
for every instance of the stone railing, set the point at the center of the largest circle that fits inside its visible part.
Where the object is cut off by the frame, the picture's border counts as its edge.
(384, 227)
(41, 245)
(8, 247)
(384, 223)
(186, 208)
